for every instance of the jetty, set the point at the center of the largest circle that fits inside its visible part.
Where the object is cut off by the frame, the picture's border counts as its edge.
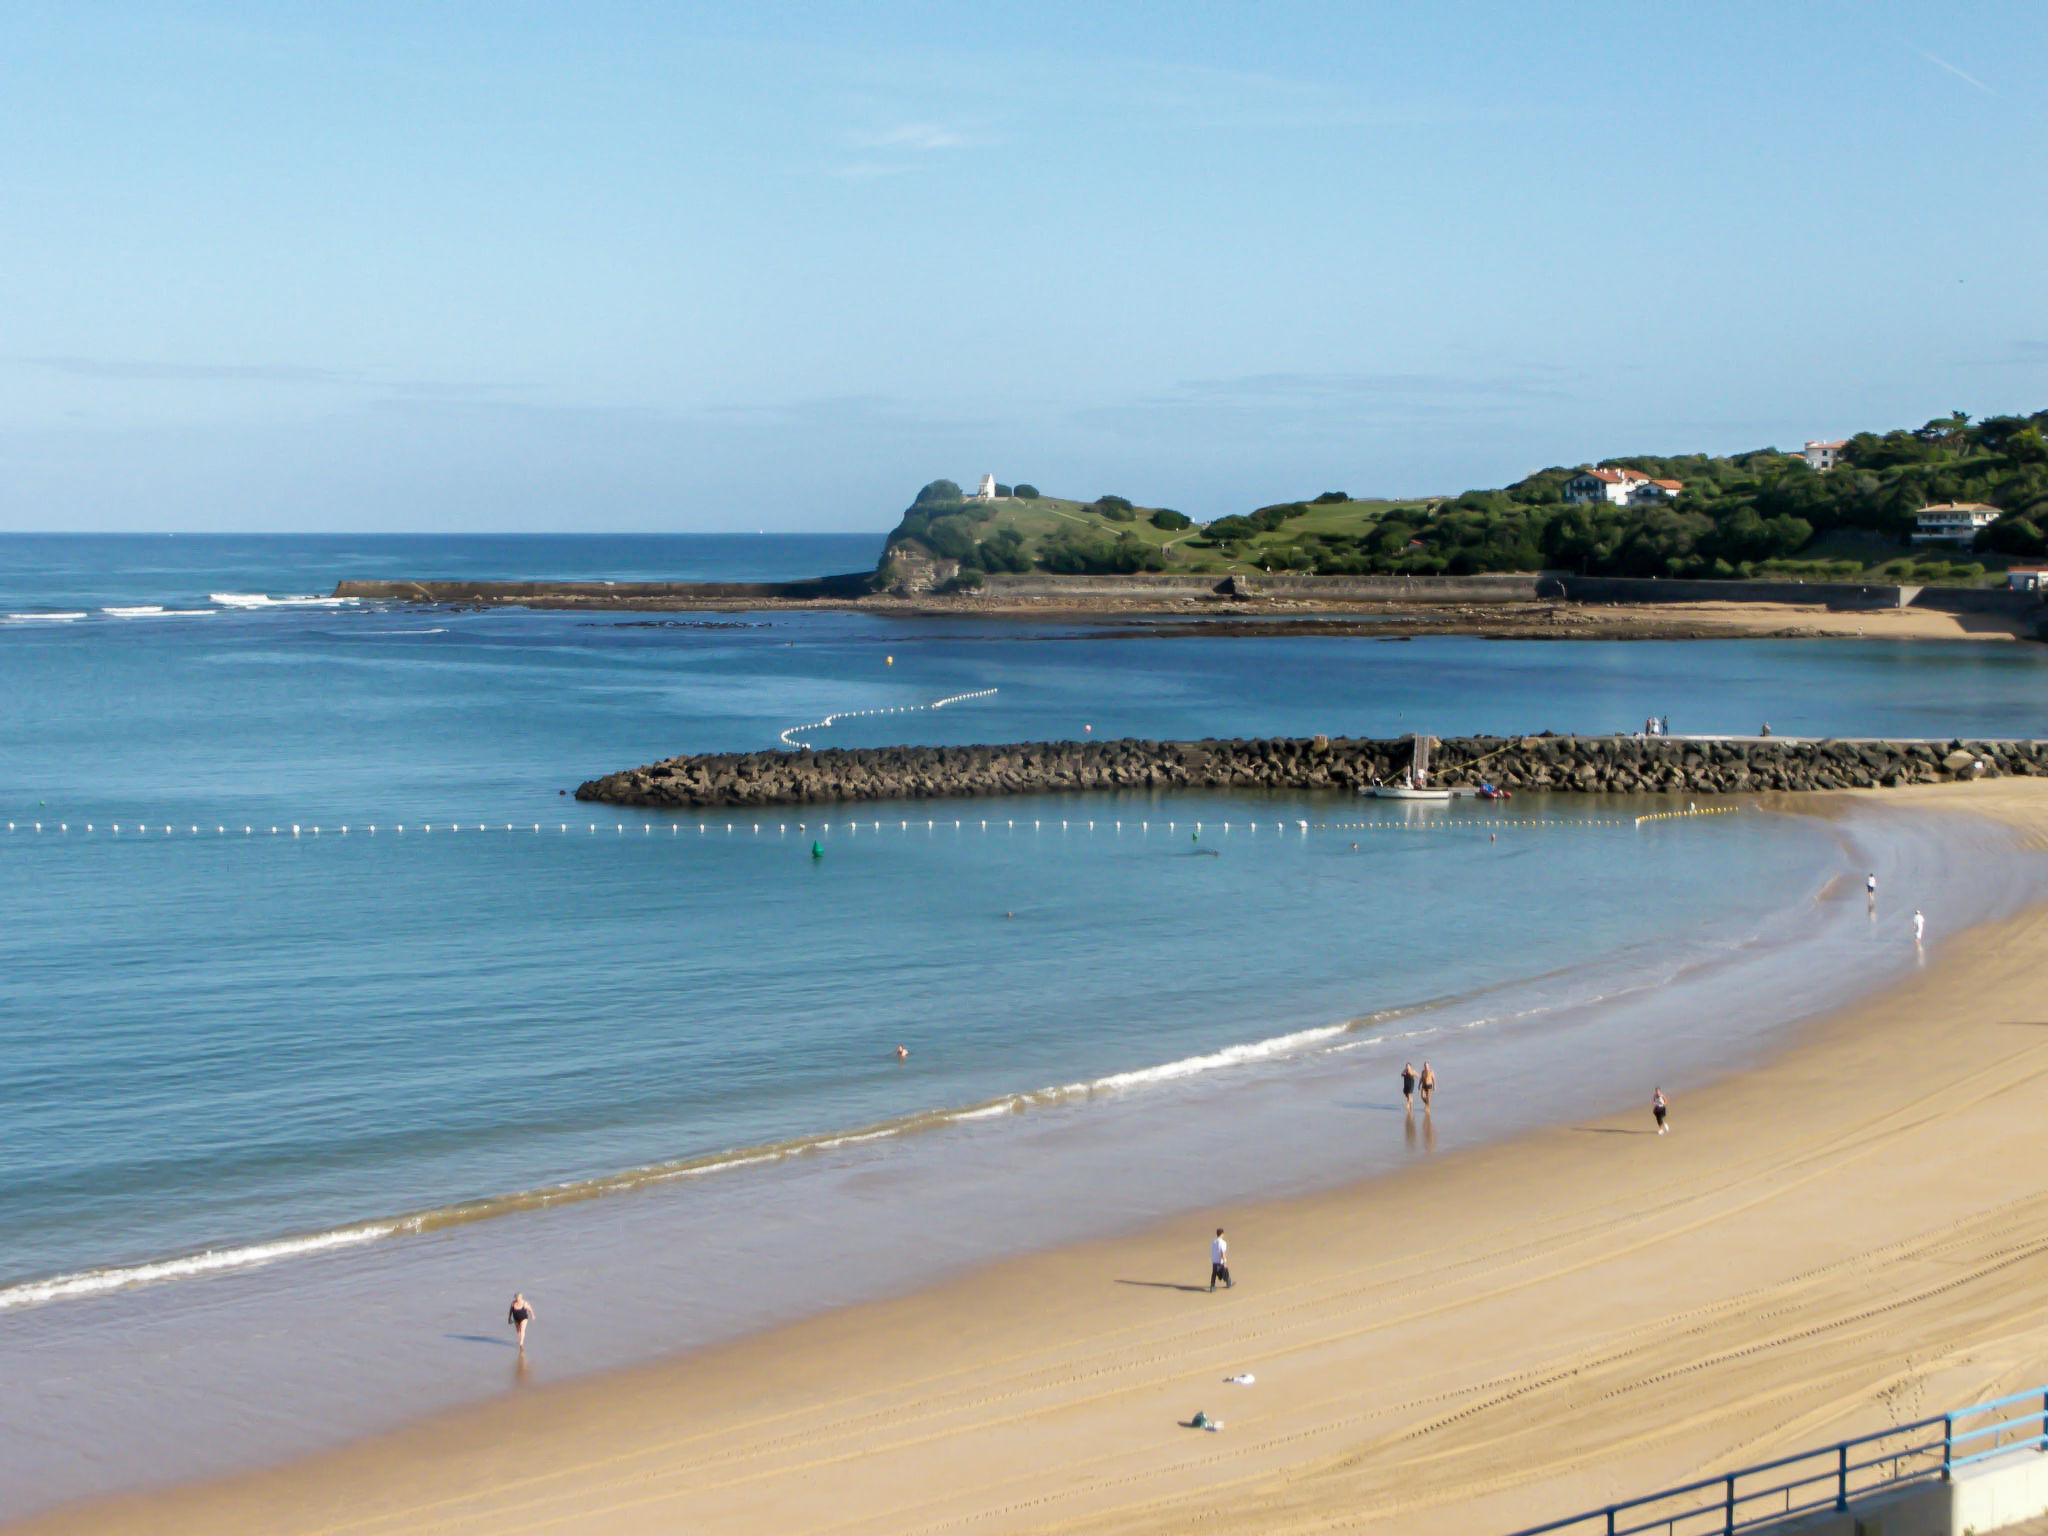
(1577, 764)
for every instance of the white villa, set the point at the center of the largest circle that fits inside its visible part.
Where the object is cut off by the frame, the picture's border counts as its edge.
(1823, 455)
(1621, 487)
(986, 491)
(1953, 522)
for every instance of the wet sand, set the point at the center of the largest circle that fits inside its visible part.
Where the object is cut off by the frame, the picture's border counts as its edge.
(1850, 1236)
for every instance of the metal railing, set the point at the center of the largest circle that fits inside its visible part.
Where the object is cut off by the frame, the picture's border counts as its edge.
(1826, 1478)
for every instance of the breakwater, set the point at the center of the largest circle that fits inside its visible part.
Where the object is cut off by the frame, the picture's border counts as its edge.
(1578, 764)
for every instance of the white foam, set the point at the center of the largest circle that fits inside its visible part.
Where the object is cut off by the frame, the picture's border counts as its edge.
(264, 600)
(141, 611)
(42, 618)
(1216, 1061)
(986, 1111)
(92, 1282)
(848, 1141)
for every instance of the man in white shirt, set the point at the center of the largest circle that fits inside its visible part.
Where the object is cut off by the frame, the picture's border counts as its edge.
(1219, 1261)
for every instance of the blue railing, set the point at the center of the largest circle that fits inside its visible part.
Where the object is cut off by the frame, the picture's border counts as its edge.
(1828, 1477)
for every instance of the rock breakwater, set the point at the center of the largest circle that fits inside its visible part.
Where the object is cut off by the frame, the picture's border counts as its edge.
(1577, 764)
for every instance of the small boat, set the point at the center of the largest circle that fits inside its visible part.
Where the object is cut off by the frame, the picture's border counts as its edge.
(1414, 781)
(1495, 792)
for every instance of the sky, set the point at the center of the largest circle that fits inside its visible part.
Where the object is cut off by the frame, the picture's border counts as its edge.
(603, 266)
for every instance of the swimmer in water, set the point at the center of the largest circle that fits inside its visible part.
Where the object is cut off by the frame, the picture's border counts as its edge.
(903, 1053)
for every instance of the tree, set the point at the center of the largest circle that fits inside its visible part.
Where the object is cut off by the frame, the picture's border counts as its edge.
(1330, 499)
(1004, 490)
(1171, 520)
(1025, 492)
(939, 491)
(1113, 501)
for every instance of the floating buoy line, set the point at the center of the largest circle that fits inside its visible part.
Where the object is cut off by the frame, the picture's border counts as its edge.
(1115, 826)
(1691, 810)
(791, 737)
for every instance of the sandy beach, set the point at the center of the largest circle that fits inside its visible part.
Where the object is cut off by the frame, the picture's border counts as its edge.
(1845, 1237)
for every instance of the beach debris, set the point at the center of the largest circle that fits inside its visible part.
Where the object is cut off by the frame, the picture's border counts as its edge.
(1202, 1420)
(1241, 1379)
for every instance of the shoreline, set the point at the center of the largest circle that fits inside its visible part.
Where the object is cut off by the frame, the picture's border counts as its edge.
(899, 1363)
(1177, 616)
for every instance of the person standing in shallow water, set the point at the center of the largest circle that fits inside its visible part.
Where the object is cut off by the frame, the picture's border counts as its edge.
(1427, 1084)
(519, 1314)
(1660, 1109)
(1408, 1084)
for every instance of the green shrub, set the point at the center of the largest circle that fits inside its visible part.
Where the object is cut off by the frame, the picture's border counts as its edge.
(1025, 492)
(1171, 520)
(1330, 499)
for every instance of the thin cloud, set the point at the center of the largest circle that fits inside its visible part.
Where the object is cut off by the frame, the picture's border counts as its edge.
(1259, 388)
(924, 137)
(1961, 74)
(120, 370)
(132, 371)
(867, 170)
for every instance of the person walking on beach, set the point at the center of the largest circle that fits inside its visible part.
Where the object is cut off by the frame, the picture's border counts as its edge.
(1427, 1083)
(1219, 1262)
(1408, 1085)
(1870, 885)
(519, 1314)
(1660, 1109)
(1919, 926)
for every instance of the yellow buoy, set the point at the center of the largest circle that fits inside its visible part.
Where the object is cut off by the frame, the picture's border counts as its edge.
(891, 660)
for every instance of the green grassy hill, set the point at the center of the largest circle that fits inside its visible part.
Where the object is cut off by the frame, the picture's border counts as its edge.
(1759, 513)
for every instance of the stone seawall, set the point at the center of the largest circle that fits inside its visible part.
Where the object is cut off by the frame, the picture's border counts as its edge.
(1585, 764)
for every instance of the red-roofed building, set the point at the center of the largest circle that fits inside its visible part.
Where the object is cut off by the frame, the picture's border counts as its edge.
(1824, 455)
(1619, 487)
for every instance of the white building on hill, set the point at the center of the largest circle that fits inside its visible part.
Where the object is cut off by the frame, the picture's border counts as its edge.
(1823, 455)
(1622, 487)
(986, 491)
(1953, 522)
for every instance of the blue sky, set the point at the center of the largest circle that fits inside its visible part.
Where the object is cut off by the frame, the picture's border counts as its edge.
(606, 266)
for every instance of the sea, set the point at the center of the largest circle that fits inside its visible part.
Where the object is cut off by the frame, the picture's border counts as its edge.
(328, 1017)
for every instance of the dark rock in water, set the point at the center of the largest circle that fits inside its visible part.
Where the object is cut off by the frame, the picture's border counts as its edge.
(1579, 764)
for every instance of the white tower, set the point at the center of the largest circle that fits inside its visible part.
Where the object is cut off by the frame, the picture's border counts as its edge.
(987, 490)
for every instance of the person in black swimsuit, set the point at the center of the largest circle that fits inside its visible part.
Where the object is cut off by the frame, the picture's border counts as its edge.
(519, 1314)
(1408, 1084)
(1660, 1109)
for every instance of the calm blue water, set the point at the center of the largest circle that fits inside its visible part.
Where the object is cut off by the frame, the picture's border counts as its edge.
(210, 1041)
